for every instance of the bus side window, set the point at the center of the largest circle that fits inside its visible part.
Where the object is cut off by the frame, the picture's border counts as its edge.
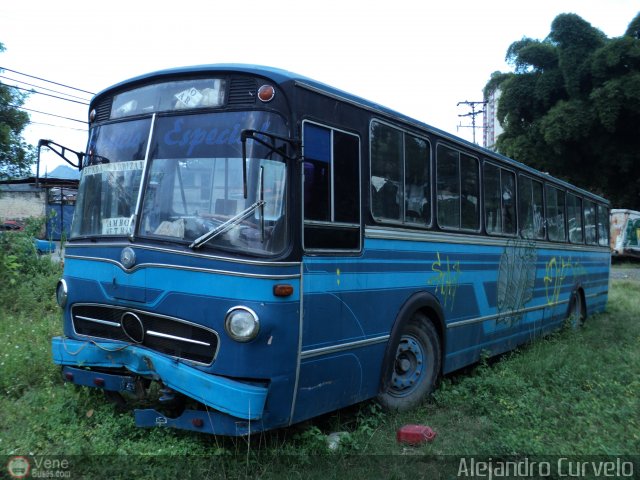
(555, 214)
(574, 218)
(508, 210)
(492, 216)
(470, 193)
(603, 226)
(448, 181)
(458, 182)
(417, 180)
(400, 176)
(386, 171)
(530, 208)
(590, 222)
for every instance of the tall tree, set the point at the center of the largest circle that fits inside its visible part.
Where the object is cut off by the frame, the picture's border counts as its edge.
(571, 107)
(16, 156)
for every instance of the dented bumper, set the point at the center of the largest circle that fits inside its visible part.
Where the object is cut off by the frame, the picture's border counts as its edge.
(237, 399)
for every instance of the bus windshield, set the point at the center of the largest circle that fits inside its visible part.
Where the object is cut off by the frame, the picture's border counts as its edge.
(194, 182)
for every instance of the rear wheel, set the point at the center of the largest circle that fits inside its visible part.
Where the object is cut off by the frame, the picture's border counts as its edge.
(416, 366)
(577, 313)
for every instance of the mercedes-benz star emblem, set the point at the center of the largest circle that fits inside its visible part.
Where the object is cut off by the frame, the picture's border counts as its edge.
(128, 257)
(132, 327)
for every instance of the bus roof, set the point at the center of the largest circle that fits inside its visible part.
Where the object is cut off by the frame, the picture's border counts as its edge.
(281, 76)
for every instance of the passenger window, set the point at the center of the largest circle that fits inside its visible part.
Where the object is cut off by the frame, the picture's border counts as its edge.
(508, 180)
(603, 226)
(417, 181)
(470, 193)
(386, 171)
(555, 214)
(499, 200)
(574, 218)
(530, 208)
(448, 181)
(590, 222)
(400, 176)
(492, 216)
(458, 182)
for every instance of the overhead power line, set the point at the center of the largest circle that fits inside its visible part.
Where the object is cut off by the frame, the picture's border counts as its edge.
(50, 114)
(58, 126)
(472, 114)
(46, 94)
(48, 81)
(42, 88)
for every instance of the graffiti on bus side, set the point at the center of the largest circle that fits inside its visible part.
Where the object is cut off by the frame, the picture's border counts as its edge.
(516, 280)
(557, 270)
(447, 279)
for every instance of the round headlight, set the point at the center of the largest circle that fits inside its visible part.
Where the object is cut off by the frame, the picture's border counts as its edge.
(61, 293)
(241, 324)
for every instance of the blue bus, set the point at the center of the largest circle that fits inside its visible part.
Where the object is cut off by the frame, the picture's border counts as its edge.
(252, 248)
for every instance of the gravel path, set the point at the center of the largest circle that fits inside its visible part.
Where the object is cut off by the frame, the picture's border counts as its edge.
(626, 272)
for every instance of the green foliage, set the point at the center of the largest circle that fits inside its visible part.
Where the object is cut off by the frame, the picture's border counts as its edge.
(494, 82)
(572, 107)
(528, 54)
(566, 119)
(32, 278)
(16, 156)
(633, 30)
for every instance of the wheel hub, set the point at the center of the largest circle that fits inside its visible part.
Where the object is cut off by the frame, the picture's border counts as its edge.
(408, 365)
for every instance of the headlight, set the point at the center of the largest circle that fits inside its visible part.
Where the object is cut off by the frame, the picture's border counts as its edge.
(61, 293)
(241, 324)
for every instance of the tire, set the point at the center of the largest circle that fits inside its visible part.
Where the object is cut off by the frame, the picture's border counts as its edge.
(576, 315)
(415, 368)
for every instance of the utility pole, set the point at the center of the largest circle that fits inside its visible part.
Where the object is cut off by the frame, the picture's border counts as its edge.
(472, 114)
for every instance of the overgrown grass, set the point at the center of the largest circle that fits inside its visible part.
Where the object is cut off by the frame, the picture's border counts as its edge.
(572, 393)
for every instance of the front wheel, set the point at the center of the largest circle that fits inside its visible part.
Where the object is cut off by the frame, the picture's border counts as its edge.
(415, 367)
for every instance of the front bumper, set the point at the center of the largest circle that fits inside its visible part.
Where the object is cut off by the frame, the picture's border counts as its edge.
(240, 400)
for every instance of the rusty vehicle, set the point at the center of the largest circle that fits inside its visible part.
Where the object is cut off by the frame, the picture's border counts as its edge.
(625, 233)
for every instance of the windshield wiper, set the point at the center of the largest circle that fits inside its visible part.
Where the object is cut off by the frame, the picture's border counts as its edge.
(226, 226)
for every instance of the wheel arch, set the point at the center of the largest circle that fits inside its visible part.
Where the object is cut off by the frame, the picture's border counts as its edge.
(418, 302)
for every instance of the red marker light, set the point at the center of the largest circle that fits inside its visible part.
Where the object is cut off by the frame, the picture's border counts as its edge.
(266, 93)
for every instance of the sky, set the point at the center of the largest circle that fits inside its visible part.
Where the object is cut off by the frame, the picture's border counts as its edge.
(419, 58)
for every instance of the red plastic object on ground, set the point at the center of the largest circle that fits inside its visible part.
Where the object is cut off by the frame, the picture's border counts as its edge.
(415, 434)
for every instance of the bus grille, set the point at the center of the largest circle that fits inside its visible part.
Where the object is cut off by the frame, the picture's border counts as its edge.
(167, 335)
(103, 110)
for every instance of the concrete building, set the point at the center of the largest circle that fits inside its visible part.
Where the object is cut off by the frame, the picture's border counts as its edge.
(492, 128)
(50, 198)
